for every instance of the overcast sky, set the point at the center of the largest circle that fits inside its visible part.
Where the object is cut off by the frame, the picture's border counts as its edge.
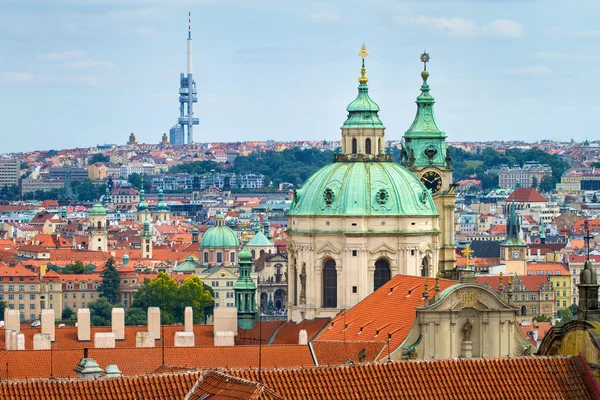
(84, 72)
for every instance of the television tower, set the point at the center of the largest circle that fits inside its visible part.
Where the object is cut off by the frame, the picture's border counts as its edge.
(188, 92)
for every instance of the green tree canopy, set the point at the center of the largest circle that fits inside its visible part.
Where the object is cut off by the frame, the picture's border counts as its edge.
(101, 311)
(98, 157)
(547, 184)
(78, 267)
(193, 294)
(136, 181)
(109, 288)
(67, 313)
(136, 316)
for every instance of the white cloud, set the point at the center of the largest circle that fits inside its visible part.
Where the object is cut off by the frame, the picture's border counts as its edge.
(88, 64)
(461, 27)
(453, 26)
(326, 17)
(61, 56)
(89, 80)
(146, 31)
(504, 28)
(128, 14)
(563, 56)
(22, 77)
(530, 70)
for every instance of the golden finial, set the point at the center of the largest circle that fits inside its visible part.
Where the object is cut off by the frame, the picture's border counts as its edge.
(437, 275)
(245, 234)
(510, 281)
(500, 274)
(363, 52)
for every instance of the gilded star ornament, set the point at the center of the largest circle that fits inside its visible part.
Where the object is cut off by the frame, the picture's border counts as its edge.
(425, 58)
(363, 52)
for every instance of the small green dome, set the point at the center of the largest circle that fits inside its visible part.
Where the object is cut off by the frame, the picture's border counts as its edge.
(142, 205)
(363, 189)
(98, 209)
(219, 236)
(161, 206)
(126, 257)
(245, 255)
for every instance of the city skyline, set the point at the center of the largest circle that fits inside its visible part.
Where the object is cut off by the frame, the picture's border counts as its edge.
(495, 73)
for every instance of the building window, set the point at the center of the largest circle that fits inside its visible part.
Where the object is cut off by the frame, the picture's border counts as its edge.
(230, 295)
(51, 297)
(11, 288)
(382, 274)
(21, 306)
(354, 253)
(32, 306)
(74, 306)
(74, 295)
(564, 303)
(11, 306)
(329, 284)
(564, 283)
(21, 296)
(83, 295)
(354, 146)
(216, 295)
(557, 293)
(32, 287)
(523, 310)
(32, 297)
(21, 288)
(219, 257)
(564, 293)
(65, 295)
(558, 303)
(533, 311)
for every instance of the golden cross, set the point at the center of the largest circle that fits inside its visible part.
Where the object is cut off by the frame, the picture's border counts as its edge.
(363, 52)
(467, 252)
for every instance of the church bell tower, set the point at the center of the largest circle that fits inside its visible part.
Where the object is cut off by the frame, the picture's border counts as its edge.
(425, 153)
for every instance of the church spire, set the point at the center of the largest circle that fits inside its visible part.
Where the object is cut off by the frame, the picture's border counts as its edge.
(363, 112)
(512, 229)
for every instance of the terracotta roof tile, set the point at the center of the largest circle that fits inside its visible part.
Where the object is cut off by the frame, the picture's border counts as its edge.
(165, 386)
(289, 332)
(226, 387)
(458, 379)
(389, 310)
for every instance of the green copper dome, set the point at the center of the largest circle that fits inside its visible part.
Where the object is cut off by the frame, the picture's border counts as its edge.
(363, 189)
(98, 209)
(219, 236)
(259, 240)
(161, 206)
(142, 205)
(244, 255)
(363, 112)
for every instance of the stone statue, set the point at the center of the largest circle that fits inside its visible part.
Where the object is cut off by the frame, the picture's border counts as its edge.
(303, 284)
(467, 328)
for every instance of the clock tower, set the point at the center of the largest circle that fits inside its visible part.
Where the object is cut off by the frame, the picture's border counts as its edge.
(513, 250)
(425, 153)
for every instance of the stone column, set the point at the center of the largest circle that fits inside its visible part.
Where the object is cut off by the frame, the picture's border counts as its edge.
(41, 341)
(184, 339)
(302, 337)
(188, 320)
(144, 339)
(48, 323)
(118, 323)
(20, 339)
(154, 321)
(104, 340)
(83, 325)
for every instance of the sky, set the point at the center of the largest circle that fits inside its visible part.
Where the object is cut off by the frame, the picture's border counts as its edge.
(76, 73)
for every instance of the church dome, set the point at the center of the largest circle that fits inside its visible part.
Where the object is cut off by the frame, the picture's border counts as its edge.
(98, 209)
(363, 189)
(219, 236)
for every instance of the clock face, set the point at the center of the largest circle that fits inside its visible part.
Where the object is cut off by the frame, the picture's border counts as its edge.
(432, 180)
(515, 255)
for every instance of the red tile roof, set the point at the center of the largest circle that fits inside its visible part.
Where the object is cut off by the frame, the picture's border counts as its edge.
(532, 282)
(526, 195)
(533, 378)
(28, 364)
(220, 386)
(159, 386)
(289, 333)
(390, 310)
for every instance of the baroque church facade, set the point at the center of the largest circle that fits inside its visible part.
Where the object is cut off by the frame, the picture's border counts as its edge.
(364, 218)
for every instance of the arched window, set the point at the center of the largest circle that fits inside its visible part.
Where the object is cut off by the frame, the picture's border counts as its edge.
(382, 274)
(99, 224)
(206, 256)
(253, 254)
(219, 257)
(368, 146)
(523, 310)
(232, 256)
(425, 267)
(329, 284)
(262, 252)
(379, 146)
(354, 146)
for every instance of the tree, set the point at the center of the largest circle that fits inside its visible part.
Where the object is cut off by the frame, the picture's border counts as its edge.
(67, 313)
(98, 157)
(160, 292)
(193, 294)
(109, 289)
(489, 180)
(101, 311)
(209, 309)
(2, 307)
(542, 318)
(566, 316)
(136, 316)
(135, 180)
(76, 268)
(547, 184)
(534, 182)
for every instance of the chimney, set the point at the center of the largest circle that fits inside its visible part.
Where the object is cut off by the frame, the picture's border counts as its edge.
(112, 371)
(303, 337)
(88, 368)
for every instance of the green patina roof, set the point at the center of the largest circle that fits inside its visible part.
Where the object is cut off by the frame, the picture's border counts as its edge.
(188, 265)
(146, 233)
(512, 230)
(161, 206)
(142, 205)
(363, 189)
(244, 255)
(219, 236)
(98, 209)
(424, 124)
(363, 112)
(259, 239)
